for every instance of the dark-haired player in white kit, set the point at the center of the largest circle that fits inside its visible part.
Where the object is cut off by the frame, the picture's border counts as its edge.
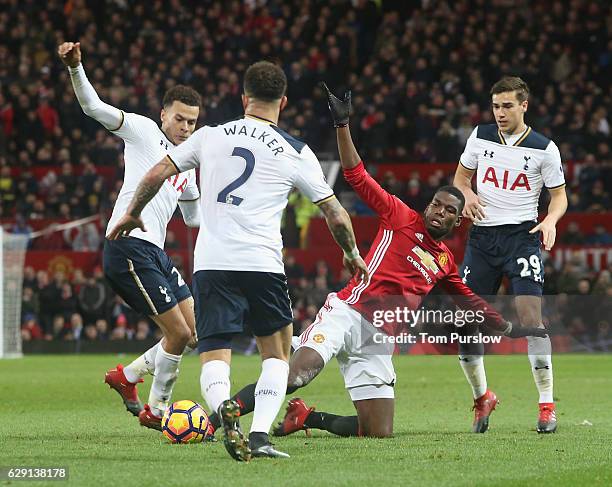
(512, 163)
(137, 267)
(248, 167)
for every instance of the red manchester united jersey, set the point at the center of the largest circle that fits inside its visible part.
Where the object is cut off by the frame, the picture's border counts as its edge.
(404, 260)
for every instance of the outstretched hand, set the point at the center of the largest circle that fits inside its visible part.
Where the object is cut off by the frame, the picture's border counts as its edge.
(358, 268)
(70, 53)
(340, 109)
(549, 233)
(125, 226)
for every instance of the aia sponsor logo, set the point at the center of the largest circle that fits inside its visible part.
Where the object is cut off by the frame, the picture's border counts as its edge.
(504, 180)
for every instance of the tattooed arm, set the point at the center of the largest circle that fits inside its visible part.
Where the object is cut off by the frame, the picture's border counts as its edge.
(339, 224)
(146, 190)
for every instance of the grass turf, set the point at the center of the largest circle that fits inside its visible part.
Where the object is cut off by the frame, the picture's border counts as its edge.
(56, 411)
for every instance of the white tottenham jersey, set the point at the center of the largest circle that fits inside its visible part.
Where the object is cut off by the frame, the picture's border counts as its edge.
(510, 172)
(145, 146)
(247, 169)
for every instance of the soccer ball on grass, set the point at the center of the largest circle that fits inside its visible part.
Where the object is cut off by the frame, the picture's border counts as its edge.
(185, 422)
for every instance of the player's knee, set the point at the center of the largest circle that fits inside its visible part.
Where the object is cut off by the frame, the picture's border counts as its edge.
(381, 430)
(298, 378)
(180, 335)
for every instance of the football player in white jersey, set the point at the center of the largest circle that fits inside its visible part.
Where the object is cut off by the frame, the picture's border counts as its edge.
(248, 167)
(137, 268)
(512, 163)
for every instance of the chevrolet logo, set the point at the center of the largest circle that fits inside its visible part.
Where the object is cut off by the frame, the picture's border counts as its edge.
(427, 259)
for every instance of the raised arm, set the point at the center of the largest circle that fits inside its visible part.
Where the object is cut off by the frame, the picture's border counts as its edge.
(146, 190)
(109, 116)
(354, 171)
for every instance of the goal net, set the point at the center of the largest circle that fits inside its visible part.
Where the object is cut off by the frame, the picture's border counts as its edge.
(12, 256)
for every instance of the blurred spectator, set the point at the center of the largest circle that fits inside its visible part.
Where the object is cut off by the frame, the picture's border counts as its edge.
(600, 236)
(92, 300)
(143, 330)
(293, 270)
(31, 330)
(85, 238)
(90, 333)
(572, 235)
(102, 329)
(29, 304)
(67, 304)
(603, 283)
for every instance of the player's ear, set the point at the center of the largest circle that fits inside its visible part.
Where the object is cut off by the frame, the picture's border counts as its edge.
(245, 101)
(525, 104)
(162, 115)
(458, 222)
(283, 103)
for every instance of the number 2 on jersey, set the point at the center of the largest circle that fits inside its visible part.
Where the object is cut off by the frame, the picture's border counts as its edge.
(224, 195)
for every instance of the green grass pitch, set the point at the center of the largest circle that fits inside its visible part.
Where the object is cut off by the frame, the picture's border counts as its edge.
(56, 411)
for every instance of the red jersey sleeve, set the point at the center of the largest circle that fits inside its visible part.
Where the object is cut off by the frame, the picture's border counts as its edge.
(465, 298)
(391, 210)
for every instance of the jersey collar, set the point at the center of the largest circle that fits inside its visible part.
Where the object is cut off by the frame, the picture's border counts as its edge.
(261, 119)
(519, 141)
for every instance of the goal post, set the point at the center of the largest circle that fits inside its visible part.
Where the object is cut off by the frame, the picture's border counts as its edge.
(12, 256)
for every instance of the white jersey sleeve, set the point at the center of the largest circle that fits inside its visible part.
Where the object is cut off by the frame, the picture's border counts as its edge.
(109, 116)
(187, 155)
(310, 179)
(469, 158)
(135, 128)
(552, 168)
(191, 192)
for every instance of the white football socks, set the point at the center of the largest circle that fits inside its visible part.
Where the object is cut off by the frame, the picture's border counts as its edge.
(215, 383)
(269, 393)
(539, 350)
(143, 365)
(166, 372)
(474, 370)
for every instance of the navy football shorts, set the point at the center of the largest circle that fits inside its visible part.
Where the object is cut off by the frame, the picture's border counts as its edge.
(226, 301)
(509, 250)
(143, 275)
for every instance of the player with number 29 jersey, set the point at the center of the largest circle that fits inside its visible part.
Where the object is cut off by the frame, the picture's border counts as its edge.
(252, 165)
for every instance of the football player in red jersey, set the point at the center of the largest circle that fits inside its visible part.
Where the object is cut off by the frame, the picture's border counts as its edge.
(406, 260)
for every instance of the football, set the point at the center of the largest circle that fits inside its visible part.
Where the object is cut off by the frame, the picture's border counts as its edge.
(185, 422)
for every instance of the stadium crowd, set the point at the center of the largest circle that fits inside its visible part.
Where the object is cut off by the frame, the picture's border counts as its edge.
(85, 308)
(420, 75)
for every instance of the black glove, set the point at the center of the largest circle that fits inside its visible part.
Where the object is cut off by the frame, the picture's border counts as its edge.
(524, 331)
(340, 109)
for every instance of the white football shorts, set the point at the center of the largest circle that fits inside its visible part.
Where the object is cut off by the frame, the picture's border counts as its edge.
(337, 332)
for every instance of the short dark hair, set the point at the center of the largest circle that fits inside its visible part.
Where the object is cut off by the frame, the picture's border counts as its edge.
(265, 81)
(456, 192)
(512, 83)
(184, 94)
